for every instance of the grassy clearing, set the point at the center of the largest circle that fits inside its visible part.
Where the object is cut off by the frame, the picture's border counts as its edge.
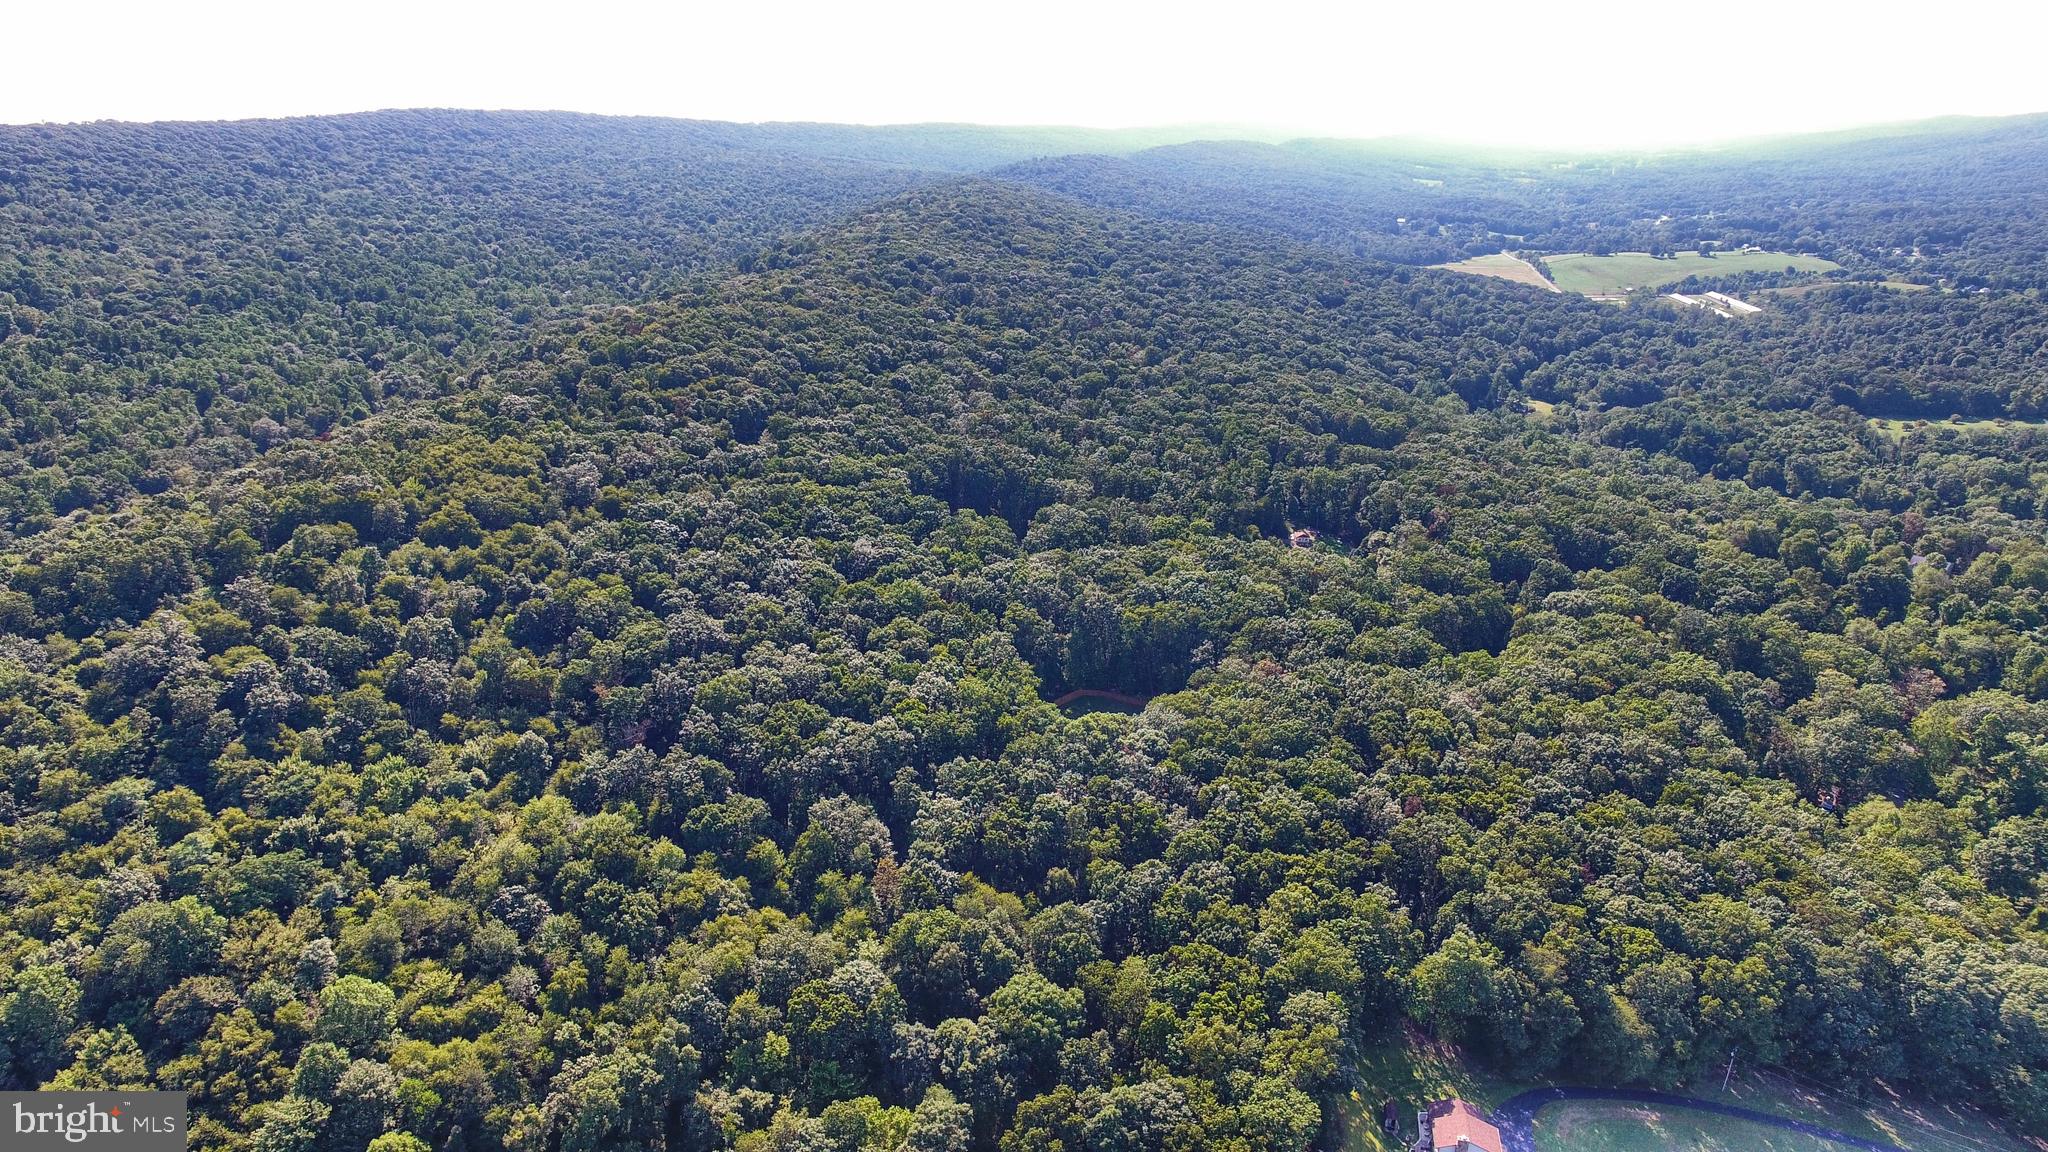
(1922, 1126)
(1590, 1126)
(1897, 429)
(1590, 275)
(1502, 266)
(1586, 1126)
(1540, 407)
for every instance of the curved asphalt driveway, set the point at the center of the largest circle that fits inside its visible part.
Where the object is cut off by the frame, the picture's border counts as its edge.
(1516, 1118)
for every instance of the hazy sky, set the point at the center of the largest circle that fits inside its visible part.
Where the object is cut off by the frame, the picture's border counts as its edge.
(1537, 72)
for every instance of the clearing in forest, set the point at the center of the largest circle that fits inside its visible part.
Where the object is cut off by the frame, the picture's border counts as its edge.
(1897, 428)
(1588, 274)
(1502, 266)
(1889, 1121)
(1607, 1126)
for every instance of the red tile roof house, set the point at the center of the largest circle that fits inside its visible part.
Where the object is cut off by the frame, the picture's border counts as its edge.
(1455, 1126)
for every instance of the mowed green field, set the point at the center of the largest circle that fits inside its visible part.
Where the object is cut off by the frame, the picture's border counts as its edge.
(1601, 1126)
(1611, 1126)
(1502, 266)
(1587, 274)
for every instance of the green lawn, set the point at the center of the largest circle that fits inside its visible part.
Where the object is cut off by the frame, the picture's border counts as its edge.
(1588, 274)
(1587, 1126)
(1921, 1125)
(1584, 1126)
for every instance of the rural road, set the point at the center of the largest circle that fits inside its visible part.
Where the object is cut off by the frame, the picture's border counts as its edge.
(1516, 1118)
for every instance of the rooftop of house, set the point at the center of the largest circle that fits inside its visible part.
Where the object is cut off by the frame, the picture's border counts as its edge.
(1456, 1126)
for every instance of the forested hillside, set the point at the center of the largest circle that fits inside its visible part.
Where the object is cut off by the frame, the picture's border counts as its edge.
(1955, 200)
(598, 695)
(190, 291)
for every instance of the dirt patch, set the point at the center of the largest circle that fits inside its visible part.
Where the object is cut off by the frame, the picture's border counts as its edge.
(1502, 266)
(1095, 699)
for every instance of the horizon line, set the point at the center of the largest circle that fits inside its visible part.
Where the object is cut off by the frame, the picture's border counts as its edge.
(1245, 131)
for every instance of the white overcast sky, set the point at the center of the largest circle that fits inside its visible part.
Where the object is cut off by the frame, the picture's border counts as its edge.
(1540, 72)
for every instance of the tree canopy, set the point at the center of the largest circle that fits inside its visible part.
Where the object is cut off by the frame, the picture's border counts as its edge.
(599, 692)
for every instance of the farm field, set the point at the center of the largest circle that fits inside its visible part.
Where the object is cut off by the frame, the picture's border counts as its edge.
(1502, 266)
(1589, 275)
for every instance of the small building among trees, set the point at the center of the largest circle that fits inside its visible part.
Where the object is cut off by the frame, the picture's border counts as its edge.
(1455, 1126)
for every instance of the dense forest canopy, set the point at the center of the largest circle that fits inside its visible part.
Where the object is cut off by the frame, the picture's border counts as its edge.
(195, 290)
(540, 632)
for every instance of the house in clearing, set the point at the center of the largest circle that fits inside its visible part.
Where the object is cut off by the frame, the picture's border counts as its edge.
(1302, 538)
(1455, 1126)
